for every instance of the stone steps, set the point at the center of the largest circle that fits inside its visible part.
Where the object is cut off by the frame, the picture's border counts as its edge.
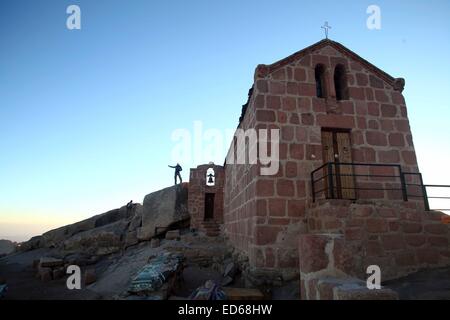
(243, 294)
(211, 228)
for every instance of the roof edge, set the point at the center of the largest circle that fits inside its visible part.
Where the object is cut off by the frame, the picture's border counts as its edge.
(263, 70)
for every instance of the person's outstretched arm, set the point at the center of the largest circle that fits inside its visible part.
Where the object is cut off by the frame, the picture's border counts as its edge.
(171, 167)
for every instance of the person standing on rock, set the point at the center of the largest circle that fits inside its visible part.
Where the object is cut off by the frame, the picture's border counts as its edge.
(178, 169)
(129, 206)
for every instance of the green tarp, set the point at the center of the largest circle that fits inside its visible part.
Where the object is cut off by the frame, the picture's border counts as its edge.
(154, 274)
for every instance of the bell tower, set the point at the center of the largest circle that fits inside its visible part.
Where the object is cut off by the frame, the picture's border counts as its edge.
(205, 199)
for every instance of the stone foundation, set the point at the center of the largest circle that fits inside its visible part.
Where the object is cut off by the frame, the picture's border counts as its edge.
(400, 237)
(345, 238)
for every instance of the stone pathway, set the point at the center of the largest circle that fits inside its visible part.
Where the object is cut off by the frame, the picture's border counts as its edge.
(423, 285)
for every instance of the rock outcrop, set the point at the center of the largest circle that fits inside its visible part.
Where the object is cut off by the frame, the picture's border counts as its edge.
(161, 210)
(119, 228)
(98, 241)
(7, 247)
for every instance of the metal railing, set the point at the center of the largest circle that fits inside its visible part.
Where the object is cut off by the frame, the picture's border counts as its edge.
(348, 180)
(424, 193)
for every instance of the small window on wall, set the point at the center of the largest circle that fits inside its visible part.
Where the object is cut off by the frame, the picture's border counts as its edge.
(210, 177)
(340, 83)
(320, 81)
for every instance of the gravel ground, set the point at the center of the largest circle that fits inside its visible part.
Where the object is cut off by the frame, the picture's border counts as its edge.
(115, 272)
(20, 276)
(423, 285)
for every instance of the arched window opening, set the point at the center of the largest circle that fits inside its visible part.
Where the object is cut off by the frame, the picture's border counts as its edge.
(340, 83)
(210, 177)
(320, 81)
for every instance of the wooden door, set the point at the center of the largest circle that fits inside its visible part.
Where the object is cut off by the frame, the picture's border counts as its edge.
(209, 206)
(344, 152)
(337, 148)
(328, 156)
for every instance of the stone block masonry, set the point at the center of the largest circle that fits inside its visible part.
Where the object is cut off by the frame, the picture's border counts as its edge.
(321, 277)
(345, 238)
(198, 190)
(400, 237)
(265, 215)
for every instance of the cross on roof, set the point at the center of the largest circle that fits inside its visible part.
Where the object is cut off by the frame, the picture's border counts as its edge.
(326, 27)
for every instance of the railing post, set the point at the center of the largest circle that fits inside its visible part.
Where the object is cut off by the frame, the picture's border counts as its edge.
(403, 182)
(313, 187)
(424, 193)
(330, 179)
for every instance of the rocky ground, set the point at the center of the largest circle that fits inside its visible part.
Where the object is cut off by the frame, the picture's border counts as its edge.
(6, 247)
(119, 248)
(114, 247)
(204, 260)
(20, 276)
(431, 284)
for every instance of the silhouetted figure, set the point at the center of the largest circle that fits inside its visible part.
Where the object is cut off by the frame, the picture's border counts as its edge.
(130, 206)
(177, 172)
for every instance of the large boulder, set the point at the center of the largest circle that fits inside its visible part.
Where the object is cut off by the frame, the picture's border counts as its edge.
(33, 243)
(99, 241)
(131, 239)
(7, 247)
(136, 220)
(84, 229)
(113, 230)
(56, 237)
(163, 209)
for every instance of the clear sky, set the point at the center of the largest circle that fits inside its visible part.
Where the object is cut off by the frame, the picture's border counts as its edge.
(87, 115)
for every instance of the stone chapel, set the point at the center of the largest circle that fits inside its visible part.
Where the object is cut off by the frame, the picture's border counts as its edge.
(348, 192)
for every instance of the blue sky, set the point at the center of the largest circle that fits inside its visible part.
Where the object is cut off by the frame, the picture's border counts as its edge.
(87, 115)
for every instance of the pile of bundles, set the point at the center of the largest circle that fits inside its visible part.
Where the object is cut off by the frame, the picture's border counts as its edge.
(209, 291)
(158, 277)
(3, 289)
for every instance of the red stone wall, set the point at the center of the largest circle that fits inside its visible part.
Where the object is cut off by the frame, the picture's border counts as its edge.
(240, 197)
(321, 275)
(265, 214)
(197, 191)
(398, 236)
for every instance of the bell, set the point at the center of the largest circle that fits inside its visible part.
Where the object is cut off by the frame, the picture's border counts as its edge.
(210, 178)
